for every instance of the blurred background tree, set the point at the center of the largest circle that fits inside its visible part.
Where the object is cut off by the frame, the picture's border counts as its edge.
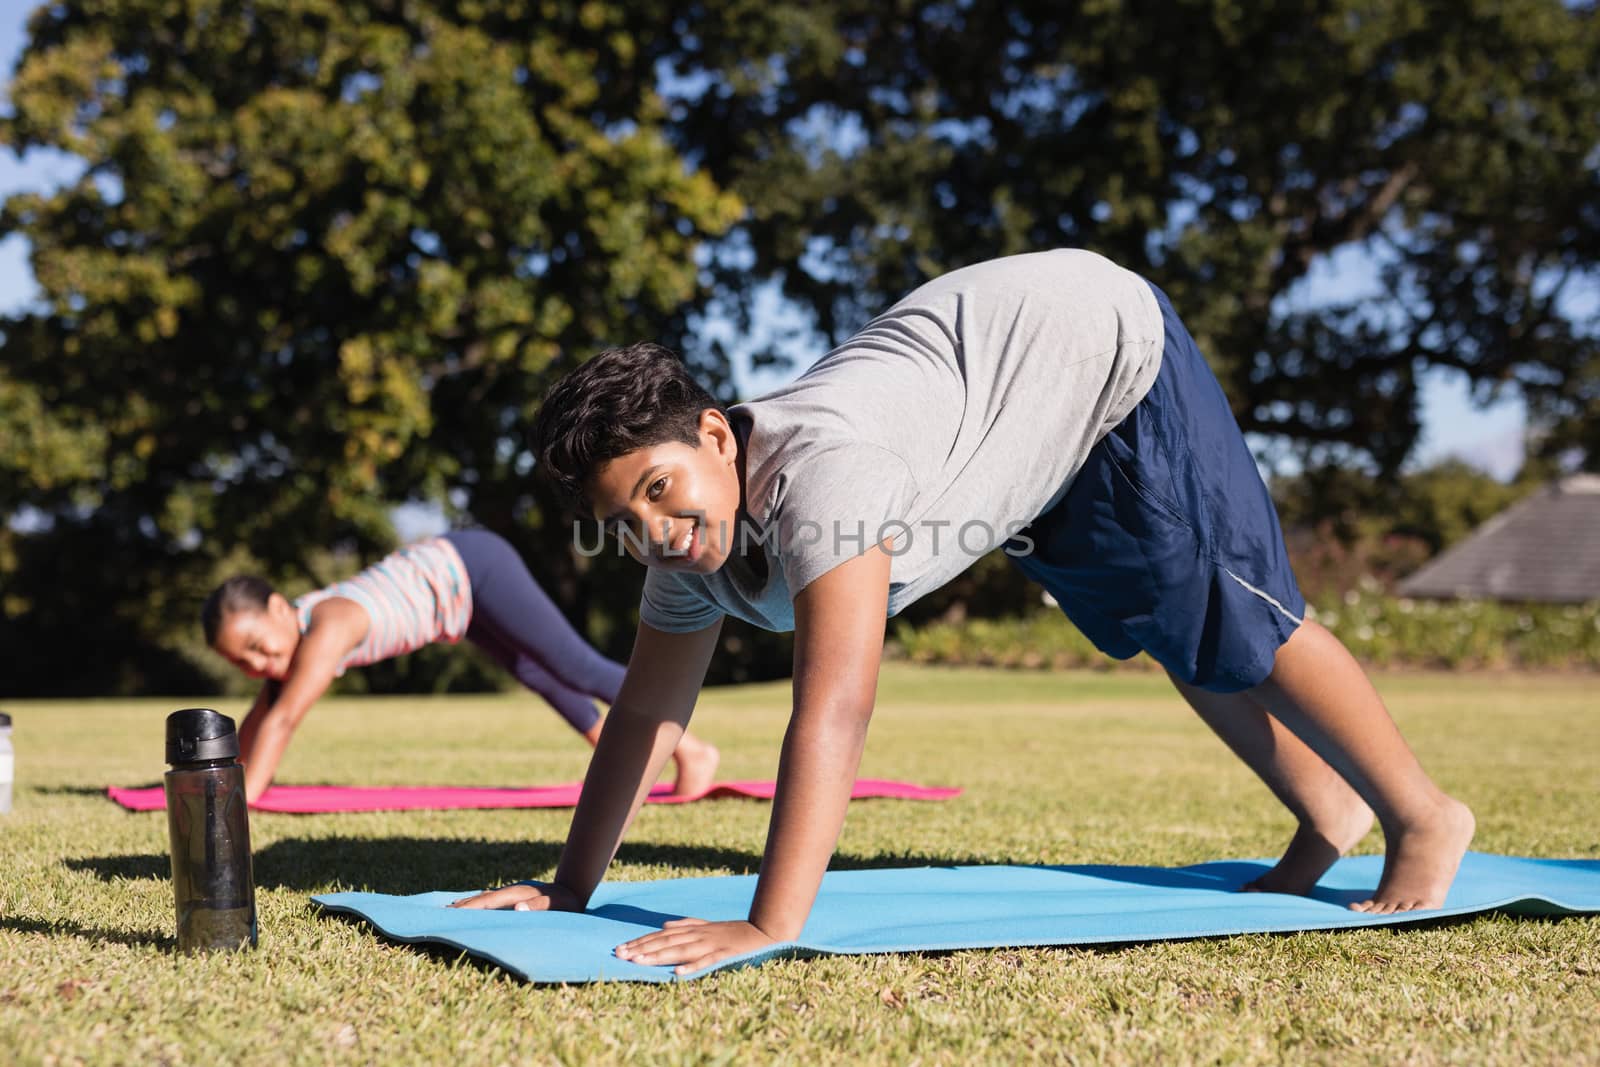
(322, 260)
(1225, 149)
(326, 257)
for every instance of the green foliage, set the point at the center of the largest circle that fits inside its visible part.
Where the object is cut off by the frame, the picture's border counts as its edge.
(1397, 631)
(1042, 640)
(322, 260)
(1380, 630)
(1224, 148)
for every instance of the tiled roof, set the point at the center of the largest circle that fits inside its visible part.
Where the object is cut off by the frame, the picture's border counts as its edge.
(1545, 549)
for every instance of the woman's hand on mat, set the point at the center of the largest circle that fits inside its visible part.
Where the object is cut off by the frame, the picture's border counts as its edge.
(525, 896)
(693, 944)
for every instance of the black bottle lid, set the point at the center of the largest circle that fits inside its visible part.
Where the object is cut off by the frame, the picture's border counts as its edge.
(200, 734)
(5, 721)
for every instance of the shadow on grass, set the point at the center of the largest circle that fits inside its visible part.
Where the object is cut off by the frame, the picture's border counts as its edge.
(385, 864)
(402, 865)
(97, 934)
(68, 790)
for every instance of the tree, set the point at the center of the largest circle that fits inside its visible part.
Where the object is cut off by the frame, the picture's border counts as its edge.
(1224, 149)
(327, 256)
(324, 257)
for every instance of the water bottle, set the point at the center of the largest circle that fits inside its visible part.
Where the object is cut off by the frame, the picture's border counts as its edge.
(209, 825)
(8, 766)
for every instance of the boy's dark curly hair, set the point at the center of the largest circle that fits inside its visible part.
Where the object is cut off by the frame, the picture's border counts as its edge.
(621, 400)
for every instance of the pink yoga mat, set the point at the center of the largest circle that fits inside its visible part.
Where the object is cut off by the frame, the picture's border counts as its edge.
(308, 799)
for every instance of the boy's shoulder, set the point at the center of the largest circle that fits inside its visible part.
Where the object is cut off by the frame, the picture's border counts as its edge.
(820, 502)
(820, 476)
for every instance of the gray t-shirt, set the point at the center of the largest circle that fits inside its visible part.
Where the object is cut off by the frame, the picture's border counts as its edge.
(944, 426)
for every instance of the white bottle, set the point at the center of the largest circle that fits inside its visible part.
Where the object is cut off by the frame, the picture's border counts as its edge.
(7, 764)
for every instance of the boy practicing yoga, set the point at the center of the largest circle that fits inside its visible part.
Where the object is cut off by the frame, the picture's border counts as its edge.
(1051, 402)
(470, 584)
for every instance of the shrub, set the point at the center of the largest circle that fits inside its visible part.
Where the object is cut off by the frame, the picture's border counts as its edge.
(1381, 630)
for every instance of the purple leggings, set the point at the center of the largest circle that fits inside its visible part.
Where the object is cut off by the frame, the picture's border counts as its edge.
(522, 630)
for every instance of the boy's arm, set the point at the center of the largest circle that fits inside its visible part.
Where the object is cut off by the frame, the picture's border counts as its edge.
(639, 735)
(839, 624)
(337, 626)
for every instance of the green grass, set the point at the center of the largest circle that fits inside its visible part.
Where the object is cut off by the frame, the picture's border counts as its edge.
(1058, 768)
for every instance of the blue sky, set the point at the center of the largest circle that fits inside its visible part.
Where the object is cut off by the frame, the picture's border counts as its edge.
(1452, 426)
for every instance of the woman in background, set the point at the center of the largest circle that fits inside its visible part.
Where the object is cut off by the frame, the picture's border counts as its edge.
(469, 583)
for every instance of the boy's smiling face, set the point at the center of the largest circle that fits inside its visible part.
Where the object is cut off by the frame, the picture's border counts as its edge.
(677, 505)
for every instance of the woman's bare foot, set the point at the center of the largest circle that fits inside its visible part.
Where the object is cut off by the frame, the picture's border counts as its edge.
(1421, 860)
(1314, 848)
(696, 761)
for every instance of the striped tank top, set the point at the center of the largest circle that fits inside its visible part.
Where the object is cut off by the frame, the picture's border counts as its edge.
(413, 597)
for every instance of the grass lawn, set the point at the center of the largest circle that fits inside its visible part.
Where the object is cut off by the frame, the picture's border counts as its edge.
(1058, 768)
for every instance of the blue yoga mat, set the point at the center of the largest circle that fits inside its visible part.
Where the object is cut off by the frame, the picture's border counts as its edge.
(921, 909)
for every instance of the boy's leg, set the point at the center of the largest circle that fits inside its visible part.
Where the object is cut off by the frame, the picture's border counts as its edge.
(1168, 541)
(1320, 692)
(1333, 818)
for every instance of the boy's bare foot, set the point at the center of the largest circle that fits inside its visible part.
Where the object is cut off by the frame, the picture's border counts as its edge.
(697, 766)
(1314, 848)
(1420, 861)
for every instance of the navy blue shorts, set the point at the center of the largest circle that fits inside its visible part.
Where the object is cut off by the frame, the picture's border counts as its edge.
(1167, 541)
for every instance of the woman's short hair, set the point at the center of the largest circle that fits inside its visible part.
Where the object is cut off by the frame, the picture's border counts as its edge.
(244, 592)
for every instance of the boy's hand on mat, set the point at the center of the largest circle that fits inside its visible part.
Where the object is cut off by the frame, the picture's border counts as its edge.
(693, 944)
(525, 896)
